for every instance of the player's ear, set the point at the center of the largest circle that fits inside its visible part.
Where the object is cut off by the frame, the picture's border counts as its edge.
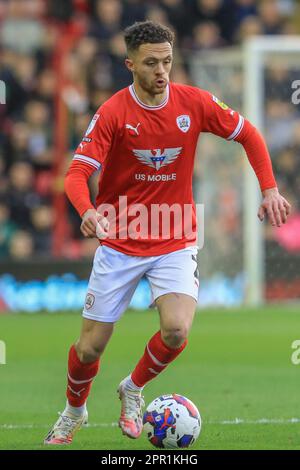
(129, 65)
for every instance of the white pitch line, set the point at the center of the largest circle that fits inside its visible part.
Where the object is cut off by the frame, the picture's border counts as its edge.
(109, 425)
(258, 421)
(40, 426)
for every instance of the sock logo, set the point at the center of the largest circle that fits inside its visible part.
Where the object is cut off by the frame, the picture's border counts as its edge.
(76, 393)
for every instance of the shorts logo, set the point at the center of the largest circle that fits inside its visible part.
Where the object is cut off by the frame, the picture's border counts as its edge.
(89, 301)
(92, 124)
(219, 102)
(183, 122)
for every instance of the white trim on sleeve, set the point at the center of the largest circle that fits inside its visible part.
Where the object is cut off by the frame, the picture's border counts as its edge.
(89, 160)
(238, 128)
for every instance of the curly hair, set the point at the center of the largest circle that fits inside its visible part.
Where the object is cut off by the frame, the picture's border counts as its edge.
(144, 32)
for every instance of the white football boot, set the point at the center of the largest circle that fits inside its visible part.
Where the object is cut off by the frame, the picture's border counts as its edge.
(131, 421)
(64, 429)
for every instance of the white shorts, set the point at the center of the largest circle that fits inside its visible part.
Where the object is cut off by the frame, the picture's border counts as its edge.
(116, 275)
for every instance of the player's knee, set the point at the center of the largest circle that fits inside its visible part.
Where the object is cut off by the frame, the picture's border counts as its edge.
(88, 353)
(174, 337)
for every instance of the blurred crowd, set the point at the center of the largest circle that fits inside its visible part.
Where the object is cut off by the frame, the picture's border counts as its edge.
(31, 34)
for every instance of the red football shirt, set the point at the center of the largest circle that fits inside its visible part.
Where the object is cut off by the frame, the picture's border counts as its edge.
(146, 154)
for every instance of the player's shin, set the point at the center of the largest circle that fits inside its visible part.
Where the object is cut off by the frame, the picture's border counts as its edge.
(80, 379)
(156, 358)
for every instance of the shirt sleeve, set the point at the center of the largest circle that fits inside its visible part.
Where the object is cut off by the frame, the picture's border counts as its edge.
(76, 186)
(223, 121)
(258, 155)
(218, 118)
(96, 143)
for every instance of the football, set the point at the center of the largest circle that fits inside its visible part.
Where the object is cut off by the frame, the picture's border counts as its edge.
(172, 422)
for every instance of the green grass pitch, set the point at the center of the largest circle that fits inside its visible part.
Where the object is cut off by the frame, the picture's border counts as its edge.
(237, 367)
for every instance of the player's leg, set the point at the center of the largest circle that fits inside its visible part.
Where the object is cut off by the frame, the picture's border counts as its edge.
(174, 282)
(83, 365)
(176, 316)
(111, 286)
(84, 362)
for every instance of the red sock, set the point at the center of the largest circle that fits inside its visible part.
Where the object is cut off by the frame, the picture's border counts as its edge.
(156, 357)
(80, 378)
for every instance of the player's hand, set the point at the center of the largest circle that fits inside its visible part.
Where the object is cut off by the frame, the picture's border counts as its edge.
(275, 206)
(94, 225)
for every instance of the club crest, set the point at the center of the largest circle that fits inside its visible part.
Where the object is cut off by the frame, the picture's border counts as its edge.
(183, 122)
(89, 300)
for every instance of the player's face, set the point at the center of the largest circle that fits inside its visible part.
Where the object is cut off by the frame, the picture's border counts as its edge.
(151, 65)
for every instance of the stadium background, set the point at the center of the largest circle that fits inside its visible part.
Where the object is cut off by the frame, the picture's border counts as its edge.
(59, 61)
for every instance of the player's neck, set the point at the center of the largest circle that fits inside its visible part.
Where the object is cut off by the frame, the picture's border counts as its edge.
(146, 98)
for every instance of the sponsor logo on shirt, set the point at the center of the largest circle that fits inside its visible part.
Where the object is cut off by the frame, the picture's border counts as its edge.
(92, 124)
(157, 158)
(219, 102)
(158, 177)
(85, 140)
(183, 122)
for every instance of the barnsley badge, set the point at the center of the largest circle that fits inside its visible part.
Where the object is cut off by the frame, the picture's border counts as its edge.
(183, 122)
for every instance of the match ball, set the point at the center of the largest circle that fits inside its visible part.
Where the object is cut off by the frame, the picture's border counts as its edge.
(172, 422)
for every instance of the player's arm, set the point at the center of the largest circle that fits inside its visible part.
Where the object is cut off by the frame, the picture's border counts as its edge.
(274, 205)
(220, 120)
(77, 190)
(88, 158)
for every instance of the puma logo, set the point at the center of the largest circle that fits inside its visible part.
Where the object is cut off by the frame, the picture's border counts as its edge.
(76, 393)
(133, 129)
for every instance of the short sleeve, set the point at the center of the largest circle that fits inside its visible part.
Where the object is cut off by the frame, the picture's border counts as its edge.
(97, 141)
(218, 118)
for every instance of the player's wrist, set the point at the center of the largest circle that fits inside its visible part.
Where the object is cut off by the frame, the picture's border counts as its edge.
(270, 191)
(87, 211)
